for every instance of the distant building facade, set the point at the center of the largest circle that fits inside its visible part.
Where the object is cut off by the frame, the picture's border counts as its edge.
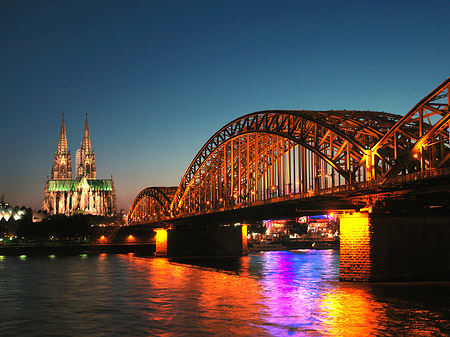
(11, 218)
(85, 194)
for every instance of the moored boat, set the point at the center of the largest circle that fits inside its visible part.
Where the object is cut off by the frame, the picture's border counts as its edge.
(266, 246)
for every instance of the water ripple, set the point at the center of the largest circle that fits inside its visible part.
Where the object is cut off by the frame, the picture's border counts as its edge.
(288, 293)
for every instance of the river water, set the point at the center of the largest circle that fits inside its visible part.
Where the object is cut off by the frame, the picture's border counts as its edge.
(282, 293)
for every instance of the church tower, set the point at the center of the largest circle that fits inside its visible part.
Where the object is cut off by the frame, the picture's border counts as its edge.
(85, 156)
(62, 164)
(86, 194)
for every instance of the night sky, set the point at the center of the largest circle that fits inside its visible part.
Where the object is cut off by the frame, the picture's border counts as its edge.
(158, 78)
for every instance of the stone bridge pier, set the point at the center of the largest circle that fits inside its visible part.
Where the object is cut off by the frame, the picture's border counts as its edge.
(210, 241)
(388, 247)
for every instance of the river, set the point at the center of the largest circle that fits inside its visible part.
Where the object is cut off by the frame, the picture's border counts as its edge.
(280, 293)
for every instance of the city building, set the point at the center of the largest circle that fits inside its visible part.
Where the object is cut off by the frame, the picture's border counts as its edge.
(85, 194)
(11, 218)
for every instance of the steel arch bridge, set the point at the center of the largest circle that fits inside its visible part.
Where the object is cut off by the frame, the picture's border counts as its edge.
(271, 154)
(151, 204)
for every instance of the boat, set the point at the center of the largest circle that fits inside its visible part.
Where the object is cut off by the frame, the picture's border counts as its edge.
(266, 246)
(323, 245)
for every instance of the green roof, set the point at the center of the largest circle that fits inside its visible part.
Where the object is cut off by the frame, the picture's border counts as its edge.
(73, 185)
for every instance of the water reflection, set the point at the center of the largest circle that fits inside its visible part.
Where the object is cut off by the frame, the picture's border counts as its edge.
(284, 293)
(200, 300)
(350, 311)
(292, 286)
(299, 294)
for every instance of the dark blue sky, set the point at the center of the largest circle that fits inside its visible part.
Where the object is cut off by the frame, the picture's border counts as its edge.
(158, 78)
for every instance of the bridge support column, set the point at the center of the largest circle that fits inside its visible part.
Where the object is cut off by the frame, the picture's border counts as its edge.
(355, 247)
(388, 247)
(212, 241)
(161, 242)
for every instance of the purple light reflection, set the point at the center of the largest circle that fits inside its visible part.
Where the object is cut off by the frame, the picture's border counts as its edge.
(293, 286)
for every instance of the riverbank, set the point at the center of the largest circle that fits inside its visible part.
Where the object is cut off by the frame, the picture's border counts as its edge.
(71, 249)
(144, 249)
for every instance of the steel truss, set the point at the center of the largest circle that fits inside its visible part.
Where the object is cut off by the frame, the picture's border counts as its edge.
(277, 153)
(419, 141)
(151, 204)
(270, 154)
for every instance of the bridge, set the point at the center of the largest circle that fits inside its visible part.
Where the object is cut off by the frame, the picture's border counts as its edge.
(374, 168)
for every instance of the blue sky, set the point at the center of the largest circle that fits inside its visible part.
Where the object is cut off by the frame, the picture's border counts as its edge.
(158, 78)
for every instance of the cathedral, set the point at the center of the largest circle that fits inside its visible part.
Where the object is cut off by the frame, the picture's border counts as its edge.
(86, 194)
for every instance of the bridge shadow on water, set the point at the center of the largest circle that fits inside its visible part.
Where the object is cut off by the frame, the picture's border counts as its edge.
(433, 293)
(228, 264)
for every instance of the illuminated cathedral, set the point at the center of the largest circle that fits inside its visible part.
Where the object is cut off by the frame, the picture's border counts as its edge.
(86, 194)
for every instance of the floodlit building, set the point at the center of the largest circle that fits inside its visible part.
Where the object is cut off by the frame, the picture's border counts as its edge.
(86, 194)
(11, 217)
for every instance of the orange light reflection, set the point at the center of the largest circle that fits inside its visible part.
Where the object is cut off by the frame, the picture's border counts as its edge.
(222, 305)
(351, 312)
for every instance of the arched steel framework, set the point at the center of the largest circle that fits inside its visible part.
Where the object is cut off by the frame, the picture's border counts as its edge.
(419, 141)
(269, 154)
(151, 204)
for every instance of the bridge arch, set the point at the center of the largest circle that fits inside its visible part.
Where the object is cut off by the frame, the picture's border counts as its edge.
(151, 204)
(419, 141)
(255, 156)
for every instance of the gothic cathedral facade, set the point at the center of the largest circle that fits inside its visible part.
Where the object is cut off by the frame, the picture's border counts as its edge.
(85, 194)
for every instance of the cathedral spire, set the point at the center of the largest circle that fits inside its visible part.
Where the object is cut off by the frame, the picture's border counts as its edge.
(85, 156)
(62, 142)
(86, 144)
(62, 165)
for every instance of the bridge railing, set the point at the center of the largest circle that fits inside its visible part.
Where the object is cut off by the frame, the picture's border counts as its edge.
(424, 175)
